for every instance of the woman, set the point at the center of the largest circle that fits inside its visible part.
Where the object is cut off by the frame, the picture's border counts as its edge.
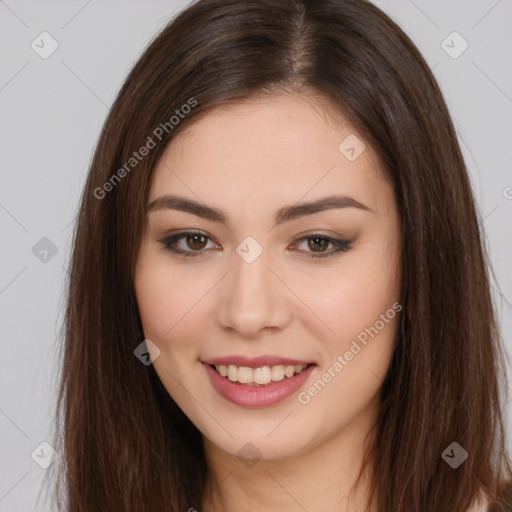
(278, 295)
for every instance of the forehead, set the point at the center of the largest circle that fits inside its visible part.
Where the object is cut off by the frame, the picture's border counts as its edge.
(275, 149)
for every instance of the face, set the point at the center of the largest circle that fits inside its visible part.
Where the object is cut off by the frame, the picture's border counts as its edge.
(275, 320)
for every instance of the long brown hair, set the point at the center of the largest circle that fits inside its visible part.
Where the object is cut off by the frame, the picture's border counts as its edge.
(124, 443)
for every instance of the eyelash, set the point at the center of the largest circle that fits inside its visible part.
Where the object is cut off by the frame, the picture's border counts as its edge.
(170, 244)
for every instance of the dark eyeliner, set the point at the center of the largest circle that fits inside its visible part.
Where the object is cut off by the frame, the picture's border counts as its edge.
(339, 245)
(169, 243)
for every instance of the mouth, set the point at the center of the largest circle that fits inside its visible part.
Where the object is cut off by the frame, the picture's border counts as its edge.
(258, 377)
(258, 382)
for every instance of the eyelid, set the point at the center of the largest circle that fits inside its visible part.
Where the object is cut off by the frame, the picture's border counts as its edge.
(174, 237)
(339, 244)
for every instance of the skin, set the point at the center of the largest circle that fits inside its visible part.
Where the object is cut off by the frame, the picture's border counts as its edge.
(249, 159)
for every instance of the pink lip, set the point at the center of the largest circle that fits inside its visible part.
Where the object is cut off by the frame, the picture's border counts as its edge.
(254, 396)
(255, 362)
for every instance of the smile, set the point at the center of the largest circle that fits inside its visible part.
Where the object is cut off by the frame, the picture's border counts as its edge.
(261, 376)
(258, 382)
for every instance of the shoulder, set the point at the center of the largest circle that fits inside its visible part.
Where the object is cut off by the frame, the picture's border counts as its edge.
(503, 505)
(481, 506)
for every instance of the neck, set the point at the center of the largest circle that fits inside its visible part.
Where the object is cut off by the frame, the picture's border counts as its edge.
(321, 478)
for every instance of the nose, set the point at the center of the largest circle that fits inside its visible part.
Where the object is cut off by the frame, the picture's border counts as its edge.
(252, 298)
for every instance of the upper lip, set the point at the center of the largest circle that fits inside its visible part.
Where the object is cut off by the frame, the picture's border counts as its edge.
(255, 362)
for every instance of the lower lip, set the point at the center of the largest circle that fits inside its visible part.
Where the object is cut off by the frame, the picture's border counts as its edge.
(257, 396)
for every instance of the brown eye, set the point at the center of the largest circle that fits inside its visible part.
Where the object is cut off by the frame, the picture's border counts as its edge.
(194, 244)
(317, 244)
(187, 243)
(196, 241)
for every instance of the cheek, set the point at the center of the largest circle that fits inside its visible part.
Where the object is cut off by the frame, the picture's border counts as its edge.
(163, 306)
(161, 300)
(166, 309)
(153, 301)
(364, 314)
(159, 290)
(353, 298)
(171, 307)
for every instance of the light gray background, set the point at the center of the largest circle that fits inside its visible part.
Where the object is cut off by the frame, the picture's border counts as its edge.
(51, 114)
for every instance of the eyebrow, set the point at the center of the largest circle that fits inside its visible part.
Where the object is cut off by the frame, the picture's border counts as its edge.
(285, 214)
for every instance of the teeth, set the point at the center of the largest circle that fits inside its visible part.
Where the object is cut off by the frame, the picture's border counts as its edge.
(289, 371)
(233, 373)
(258, 376)
(245, 375)
(277, 373)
